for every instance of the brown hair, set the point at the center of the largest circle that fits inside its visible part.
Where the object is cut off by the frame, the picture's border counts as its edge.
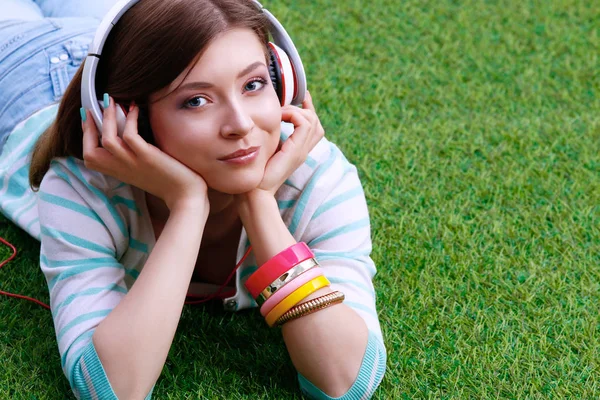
(150, 46)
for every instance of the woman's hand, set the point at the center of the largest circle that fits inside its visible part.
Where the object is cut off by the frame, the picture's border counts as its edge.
(292, 154)
(134, 161)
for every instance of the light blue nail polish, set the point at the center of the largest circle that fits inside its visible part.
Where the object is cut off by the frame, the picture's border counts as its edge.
(83, 115)
(106, 100)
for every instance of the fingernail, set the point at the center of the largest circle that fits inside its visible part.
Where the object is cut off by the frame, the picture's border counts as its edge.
(82, 112)
(106, 100)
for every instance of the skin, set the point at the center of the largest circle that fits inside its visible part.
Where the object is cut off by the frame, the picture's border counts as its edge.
(190, 189)
(216, 111)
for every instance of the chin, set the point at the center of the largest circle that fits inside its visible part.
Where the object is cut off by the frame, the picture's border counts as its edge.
(236, 185)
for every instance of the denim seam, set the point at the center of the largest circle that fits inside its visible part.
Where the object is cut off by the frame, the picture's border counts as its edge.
(60, 80)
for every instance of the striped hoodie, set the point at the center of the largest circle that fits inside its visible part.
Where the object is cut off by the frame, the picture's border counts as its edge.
(96, 236)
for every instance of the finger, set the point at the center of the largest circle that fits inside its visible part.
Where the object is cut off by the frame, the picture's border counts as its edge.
(294, 115)
(314, 130)
(109, 139)
(317, 132)
(94, 156)
(301, 124)
(308, 102)
(90, 134)
(131, 135)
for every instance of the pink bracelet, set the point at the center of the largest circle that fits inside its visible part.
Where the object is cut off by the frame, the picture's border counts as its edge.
(276, 266)
(288, 289)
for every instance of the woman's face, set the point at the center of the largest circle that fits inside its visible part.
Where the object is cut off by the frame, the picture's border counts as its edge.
(226, 103)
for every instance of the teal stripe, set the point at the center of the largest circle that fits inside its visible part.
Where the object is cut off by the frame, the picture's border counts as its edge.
(348, 255)
(79, 270)
(290, 184)
(342, 230)
(100, 195)
(130, 204)
(33, 221)
(27, 134)
(82, 337)
(283, 204)
(362, 307)
(76, 379)
(134, 273)
(76, 240)
(94, 290)
(82, 318)
(57, 168)
(337, 200)
(16, 186)
(345, 281)
(137, 245)
(96, 374)
(329, 255)
(70, 205)
(31, 203)
(311, 162)
(307, 191)
(79, 261)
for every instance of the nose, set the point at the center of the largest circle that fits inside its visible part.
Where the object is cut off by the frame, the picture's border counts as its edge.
(237, 121)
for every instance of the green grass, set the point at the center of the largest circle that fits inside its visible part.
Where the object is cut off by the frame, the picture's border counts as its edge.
(475, 127)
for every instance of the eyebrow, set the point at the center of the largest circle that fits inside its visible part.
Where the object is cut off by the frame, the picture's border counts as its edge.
(206, 85)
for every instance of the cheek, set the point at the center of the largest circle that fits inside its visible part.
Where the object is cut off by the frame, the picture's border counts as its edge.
(160, 123)
(270, 122)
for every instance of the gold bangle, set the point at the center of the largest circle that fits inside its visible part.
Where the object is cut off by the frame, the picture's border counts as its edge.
(311, 306)
(285, 278)
(295, 297)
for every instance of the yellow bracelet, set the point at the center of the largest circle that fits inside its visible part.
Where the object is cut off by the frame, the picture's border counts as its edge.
(302, 292)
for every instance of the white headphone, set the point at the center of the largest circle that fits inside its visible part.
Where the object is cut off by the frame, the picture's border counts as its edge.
(285, 67)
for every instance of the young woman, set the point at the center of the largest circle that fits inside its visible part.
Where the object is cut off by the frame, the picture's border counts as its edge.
(201, 188)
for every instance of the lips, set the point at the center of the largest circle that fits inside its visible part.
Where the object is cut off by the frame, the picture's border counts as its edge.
(240, 153)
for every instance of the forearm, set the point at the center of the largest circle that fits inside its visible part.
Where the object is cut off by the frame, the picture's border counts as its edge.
(133, 341)
(321, 346)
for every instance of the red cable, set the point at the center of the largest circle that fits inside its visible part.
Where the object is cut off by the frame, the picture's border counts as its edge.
(228, 294)
(207, 298)
(18, 296)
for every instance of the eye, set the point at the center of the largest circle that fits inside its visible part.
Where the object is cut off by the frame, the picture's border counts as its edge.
(255, 85)
(195, 102)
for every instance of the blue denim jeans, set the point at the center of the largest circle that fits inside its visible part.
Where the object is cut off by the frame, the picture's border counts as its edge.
(42, 44)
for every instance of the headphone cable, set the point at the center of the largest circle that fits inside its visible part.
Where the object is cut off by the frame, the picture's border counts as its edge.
(202, 300)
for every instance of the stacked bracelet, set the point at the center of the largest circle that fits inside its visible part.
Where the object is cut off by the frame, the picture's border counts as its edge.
(298, 295)
(286, 278)
(311, 306)
(288, 289)
(276, 266)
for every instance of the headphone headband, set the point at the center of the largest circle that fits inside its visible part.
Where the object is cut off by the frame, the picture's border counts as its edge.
(89, 99)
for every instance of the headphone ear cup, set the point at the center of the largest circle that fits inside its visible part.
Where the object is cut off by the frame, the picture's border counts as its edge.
(282, 74)
(121, 116)
(275, 73)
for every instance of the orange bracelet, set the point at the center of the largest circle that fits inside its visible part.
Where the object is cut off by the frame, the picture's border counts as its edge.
(311, 306)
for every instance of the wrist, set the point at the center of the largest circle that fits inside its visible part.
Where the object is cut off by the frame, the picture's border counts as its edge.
(193, 206)
(249, 201)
